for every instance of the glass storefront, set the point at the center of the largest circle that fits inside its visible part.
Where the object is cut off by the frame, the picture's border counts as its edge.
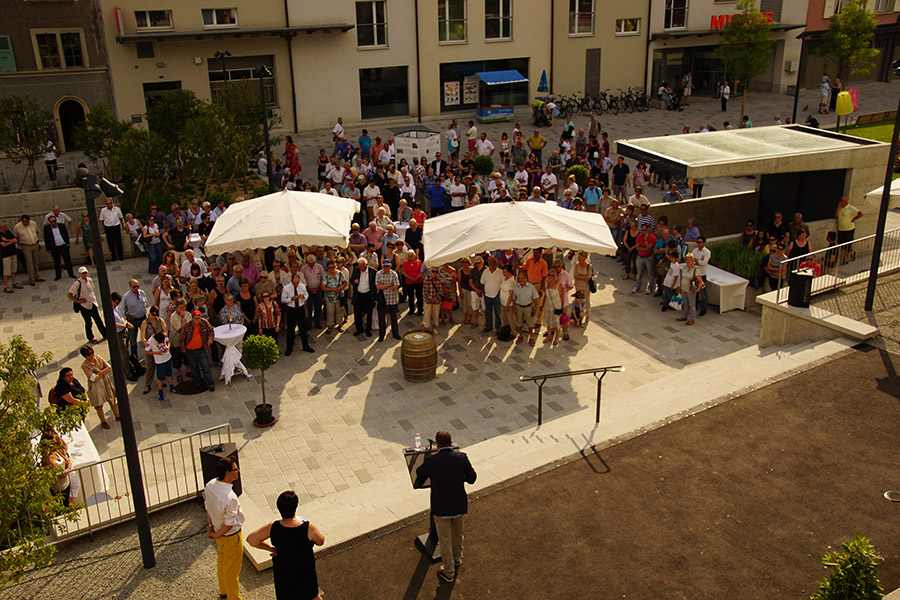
(458, 83)
(384, 92)
(706, 68)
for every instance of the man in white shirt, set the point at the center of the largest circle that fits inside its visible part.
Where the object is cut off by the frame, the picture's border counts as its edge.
(484, 147)
(337, 132)
(206, 206)
(548, 183)
(61, 218)
(112, 220)
(472, 136)
(521, 176)
(188, 261)
(638, 198)
(457, 191)
(293, 297)
(369, 194)
(491, 279)
(702, 255)
(218, 210)
(225, 518)
(327, 189)
(494, 187)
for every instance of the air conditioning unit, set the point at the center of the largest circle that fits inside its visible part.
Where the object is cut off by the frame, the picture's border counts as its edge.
(790, 66)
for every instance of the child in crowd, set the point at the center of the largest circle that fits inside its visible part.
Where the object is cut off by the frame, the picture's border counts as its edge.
(578, 308)
(158, 347)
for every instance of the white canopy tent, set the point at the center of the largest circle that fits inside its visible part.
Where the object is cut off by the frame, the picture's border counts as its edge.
(513, 225)
(893, 202)
(282, 219)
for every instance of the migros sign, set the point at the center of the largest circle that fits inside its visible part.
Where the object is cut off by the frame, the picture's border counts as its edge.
(718, 21)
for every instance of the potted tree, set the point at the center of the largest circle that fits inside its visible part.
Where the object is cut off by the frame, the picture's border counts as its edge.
(853, 573)
(261, 352)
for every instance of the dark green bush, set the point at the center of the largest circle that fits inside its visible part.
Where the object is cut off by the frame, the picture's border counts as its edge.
(735, 258)
(580, 172)
(484, 165)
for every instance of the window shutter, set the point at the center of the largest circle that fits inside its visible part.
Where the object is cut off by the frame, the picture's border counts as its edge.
(7, 58)
(773, 6)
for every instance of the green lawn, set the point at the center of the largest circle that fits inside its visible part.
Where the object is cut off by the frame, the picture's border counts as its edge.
(873, 131)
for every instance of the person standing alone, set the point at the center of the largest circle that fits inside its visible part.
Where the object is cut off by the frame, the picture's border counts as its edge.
(223, 513)
(112, 219)
(449, 471)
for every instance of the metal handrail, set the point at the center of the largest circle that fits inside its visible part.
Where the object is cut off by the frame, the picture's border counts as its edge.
(542, 379)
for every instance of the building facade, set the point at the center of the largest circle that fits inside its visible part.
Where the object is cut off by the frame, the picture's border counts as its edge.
(887, 39)
(54, 52)
(684, 33)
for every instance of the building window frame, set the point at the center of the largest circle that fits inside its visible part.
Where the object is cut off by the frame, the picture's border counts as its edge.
(884, 6)
(676, 17)
(500, 18)
(219, 18)
(63, 60)
(449, 19)
(630, 26)
(146, 17)
(578, 17)
(377, 26)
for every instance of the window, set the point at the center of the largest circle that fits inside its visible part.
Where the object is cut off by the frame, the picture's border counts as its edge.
(676, 14)
(884, 6)
(7, 57)
(384, 92)
(59, 49)
(628, 26)
(153, 19)
(451, 20)
(498, 19)
(145, 50)
(371, 26)
(581, 17)
(219, 17)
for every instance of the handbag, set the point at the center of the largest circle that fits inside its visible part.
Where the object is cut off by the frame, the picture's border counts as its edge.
(76, 306)
(592, 285)
(557, 311)
(676, 303)
(564, 318)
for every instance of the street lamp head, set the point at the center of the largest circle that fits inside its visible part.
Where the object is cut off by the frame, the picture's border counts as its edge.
(895, 66)
(262, 71)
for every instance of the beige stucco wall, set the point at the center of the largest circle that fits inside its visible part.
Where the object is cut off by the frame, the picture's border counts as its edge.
(177, 57)
(622, 60)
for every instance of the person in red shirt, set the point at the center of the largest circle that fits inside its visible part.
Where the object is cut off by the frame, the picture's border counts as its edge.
(645, 263)
(412, 271)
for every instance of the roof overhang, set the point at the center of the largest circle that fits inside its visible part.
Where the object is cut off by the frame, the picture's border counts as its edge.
(754, 151)
(161, 36)
(501, 77)
(674, 34)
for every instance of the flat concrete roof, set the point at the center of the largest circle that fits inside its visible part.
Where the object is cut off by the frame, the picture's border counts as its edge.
(752, 151)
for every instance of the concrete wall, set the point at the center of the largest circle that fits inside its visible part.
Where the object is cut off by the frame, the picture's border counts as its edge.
(715, 216)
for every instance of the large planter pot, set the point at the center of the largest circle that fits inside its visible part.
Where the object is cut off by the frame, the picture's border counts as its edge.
(264, 417)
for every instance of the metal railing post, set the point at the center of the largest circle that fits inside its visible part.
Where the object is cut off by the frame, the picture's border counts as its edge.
(541, 400)
(599, 392)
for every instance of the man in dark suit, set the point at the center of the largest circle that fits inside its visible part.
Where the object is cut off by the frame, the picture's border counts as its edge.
(438, 165)
(362, 282)
(449, 471)
(56, 240)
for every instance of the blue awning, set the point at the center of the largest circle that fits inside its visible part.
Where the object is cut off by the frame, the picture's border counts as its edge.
(498, 77)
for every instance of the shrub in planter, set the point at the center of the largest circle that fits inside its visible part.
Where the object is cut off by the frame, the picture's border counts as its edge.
(214, 198)
(484, 165)
(736, 258)
(261, 352)
(580, 172)
(853, 573)
(260, 190)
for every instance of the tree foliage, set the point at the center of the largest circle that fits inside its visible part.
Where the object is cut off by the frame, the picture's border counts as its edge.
(169, 114)
(260, 352)
(849, 42)
(24, 128)
(745, 47)
(28, 509)
(101, 133)
(853, 573)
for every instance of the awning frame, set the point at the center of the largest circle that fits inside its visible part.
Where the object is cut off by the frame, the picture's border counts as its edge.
(161, 36)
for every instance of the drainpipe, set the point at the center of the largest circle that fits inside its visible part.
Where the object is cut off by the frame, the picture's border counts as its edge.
(418, 70)
(552, 38)
(290, 39)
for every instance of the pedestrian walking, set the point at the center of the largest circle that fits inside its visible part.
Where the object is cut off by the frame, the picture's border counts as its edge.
(224, 518)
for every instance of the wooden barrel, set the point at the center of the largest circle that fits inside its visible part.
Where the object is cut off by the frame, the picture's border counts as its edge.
(418, 354)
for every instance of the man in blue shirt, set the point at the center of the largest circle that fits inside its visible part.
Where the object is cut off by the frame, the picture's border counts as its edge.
(365, 143)
(673, 195)
(591, 196)
(437, 197)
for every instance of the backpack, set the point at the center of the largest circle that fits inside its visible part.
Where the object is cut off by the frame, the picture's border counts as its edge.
(51, 397)
(134, 370)
(504, 334)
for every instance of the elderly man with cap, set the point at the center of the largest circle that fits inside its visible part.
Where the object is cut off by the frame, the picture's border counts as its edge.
(82, 293)
(387, 283)
(196, 342)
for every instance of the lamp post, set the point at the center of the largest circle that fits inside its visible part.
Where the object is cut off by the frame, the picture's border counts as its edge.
(94, 187)
(223, 55)
(263, 71)
(800, 73)
(885, 198)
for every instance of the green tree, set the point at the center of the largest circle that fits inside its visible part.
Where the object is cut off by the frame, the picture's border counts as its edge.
(849, 41)
(745, 47)
(24, 127)
(259, 352)
(142, 156)
(101, 133)
(853, 573)
(28, 509)
(169, 114)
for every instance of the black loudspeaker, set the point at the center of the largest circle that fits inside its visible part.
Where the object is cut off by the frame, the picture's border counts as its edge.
(800, 288)
(210, 454)
(414, 459)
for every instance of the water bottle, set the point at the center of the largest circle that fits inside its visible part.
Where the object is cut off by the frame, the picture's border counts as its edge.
(418, 442)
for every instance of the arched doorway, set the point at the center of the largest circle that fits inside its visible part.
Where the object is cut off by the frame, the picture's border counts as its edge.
(70, 113)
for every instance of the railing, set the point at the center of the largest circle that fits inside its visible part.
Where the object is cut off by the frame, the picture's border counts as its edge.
(12, 175)
(171, 472)
(841, 265)
(542, 379)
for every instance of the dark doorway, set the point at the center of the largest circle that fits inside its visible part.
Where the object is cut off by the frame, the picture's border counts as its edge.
(592, 72)
(813, 193)
(71, 114)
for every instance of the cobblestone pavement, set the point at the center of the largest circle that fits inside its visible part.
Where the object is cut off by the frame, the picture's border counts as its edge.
(346, 411)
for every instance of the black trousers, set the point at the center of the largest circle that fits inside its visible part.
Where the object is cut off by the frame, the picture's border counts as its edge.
(296, 319)
(61, 253)
(362, 312)
(414, 295)
(114, 241)
(383, 311)
(91, 313)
